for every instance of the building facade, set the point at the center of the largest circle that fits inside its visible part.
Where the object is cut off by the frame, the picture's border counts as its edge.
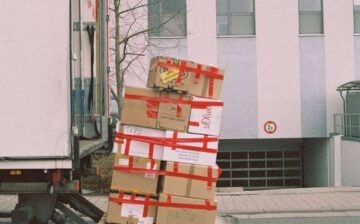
(283, 61)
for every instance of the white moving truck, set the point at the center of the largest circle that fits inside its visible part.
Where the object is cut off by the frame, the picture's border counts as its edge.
(53, 104)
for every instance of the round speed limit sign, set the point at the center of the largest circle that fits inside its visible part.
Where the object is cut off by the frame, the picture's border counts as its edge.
(270, 127)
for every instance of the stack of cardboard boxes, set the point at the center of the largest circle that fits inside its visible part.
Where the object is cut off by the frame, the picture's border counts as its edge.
(166, 145)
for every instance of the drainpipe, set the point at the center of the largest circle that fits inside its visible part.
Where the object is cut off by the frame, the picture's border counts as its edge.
(82, 111)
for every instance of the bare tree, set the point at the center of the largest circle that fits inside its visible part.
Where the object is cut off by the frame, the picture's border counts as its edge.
(131, 41)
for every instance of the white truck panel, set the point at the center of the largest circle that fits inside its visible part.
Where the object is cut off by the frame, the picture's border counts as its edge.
(36, 164)
(34, 80)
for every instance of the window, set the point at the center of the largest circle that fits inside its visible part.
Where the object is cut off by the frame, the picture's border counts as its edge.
(357, 16)
(311, 17)
(167, 18)
(235, 17)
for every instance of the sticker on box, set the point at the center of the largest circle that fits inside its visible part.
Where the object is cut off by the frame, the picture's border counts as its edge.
(133, 210)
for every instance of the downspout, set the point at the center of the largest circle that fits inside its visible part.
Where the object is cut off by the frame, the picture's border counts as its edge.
(82, 110)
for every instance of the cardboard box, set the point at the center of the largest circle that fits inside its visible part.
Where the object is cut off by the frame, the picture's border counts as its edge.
(138, 111)
(191, 186)
(137, 148)
(129, 213)
(125, 177)
(195, 79)
(206, 120)
(174, 215)
(191, 148)
(152, 109)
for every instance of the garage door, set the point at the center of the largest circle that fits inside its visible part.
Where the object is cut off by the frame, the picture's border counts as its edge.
(260, 168)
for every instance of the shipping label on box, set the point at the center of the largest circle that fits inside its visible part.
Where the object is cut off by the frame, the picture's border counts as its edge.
(204, 119)
(183, 75)
(132, 140)
(189, 180)
(135, 174)
(190, 148)
(192, 211)
(123, 209)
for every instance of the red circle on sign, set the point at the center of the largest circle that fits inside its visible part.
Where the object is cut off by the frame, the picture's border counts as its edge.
(270, 127)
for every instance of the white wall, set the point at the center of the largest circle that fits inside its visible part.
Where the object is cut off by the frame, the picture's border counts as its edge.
(277, 45)
(350, 160)
(339, 52)
(201, 28)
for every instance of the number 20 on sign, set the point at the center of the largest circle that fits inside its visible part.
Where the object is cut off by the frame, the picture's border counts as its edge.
(270, 127)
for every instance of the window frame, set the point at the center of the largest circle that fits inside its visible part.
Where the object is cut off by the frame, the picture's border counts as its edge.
(160, 15)
(356, 12)
(229, 14)
(321, 13)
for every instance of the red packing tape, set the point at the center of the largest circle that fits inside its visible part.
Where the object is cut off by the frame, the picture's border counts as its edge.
(120, 200)
(169, 142)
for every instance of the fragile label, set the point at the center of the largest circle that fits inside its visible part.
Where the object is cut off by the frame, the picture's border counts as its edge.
(169, 75)
(133, 210)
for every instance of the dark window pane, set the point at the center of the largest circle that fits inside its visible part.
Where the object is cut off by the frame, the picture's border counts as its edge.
(225, 174)
(292, 163)
(274, 154)
(223, 183)
(274, 183)
(293, 182)
(224, 165)
(275, 173)
(292, 154)
(257, 164)
(274, 164)
(257, 155)
(236, 164)
(257, 173)
(257, 183)
(240, 183)
(223, 155)
(239, 155)
(240, 173)
(289, 173)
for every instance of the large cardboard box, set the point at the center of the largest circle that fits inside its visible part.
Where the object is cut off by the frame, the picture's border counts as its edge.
(182, 75)
(191, 148)
(129, 174)
(153, 109)
(130, 213)
(189, 180)
(205, 120)
(127, 141)
(197, 211)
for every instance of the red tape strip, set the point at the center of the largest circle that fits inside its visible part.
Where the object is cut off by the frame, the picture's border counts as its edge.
(169, 142)
(175, 173)
(206, 206)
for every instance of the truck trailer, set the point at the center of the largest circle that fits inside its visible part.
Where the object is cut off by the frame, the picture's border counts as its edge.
(54, 103)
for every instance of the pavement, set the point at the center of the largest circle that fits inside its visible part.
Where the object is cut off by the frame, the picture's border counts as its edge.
(303, 205)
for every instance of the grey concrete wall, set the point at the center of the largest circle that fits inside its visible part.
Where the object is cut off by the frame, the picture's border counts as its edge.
(350, 160)
(238, 57)
(313, 89)
(357, 57)
(316, 162)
